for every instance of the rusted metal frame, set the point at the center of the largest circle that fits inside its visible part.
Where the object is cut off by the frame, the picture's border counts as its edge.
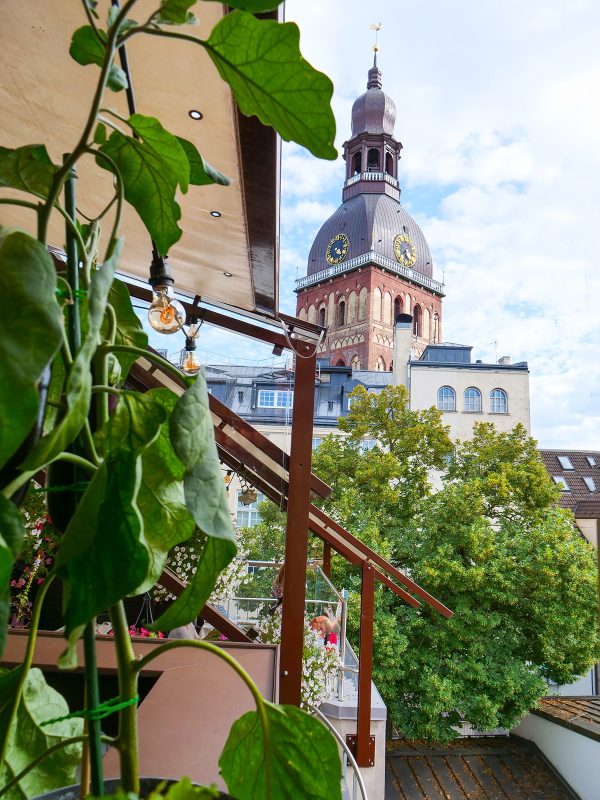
(327, 559)
(173, 583)
(296, 541)
(365, 666)
(371, 555)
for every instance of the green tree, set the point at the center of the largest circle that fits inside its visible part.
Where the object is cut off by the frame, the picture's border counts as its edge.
(490, 544)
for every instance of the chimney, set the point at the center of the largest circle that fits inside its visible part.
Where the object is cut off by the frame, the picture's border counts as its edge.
(402, 348)
(504, 360)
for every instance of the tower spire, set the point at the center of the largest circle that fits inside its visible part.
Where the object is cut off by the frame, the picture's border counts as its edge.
(374, 79)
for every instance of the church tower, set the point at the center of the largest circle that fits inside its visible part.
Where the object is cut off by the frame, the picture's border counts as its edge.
(370, 261)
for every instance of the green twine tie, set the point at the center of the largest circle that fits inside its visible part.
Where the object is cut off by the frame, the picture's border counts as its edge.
(103, 710)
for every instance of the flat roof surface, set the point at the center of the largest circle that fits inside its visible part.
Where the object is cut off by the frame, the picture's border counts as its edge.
(485, 768)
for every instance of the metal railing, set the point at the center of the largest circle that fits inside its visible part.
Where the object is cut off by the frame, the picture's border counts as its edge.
(348, 759)
(371, 258)
(372, 176)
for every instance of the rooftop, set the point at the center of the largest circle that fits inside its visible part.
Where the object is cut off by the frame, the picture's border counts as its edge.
(486, 768)
(579, 714)
(577, 473)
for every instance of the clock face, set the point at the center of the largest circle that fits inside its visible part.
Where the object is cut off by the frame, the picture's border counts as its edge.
(337, 249)
(404, 250)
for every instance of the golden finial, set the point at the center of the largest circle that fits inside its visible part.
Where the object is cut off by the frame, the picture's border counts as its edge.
(376, 26)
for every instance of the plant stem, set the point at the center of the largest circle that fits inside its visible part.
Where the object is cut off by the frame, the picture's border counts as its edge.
(92, 699)
(21, 479)
(142, 353)
(139, 665)
(8, 201)
(128, 680)
(50, 751)
(120, 197)
(8, 720)
(98, 388)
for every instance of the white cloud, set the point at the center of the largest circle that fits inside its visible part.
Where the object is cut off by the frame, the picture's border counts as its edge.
(498, 113)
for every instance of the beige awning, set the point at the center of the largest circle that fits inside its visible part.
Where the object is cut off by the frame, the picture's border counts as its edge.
(45, 96)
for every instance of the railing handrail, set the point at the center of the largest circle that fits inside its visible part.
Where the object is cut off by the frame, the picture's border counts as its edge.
(363, 789)
(375, 258)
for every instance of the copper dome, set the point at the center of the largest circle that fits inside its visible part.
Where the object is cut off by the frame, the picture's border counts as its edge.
(374, 111)
(371, 222)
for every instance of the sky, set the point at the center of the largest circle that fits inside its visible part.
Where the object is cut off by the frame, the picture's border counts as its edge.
(498, 109)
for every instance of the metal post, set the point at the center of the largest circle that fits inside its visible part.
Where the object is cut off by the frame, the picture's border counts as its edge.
(296, 543)
(364, 753)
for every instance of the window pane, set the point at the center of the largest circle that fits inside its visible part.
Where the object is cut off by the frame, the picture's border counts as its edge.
(590, 483)
(498, 402)
(446, 399)
(565, 462)
(472, 399)
(561, 482)
(266, 399)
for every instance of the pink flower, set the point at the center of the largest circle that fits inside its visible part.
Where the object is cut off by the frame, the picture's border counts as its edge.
(40, 580)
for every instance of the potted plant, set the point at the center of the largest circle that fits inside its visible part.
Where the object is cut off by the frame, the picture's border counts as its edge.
(65, 410)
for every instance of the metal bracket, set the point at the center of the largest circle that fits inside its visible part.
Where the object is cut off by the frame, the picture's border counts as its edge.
(351, 742)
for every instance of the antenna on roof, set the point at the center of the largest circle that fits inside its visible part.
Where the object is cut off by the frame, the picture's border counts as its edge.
(375, 26)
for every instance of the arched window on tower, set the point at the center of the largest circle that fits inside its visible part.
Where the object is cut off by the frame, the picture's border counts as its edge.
(389, 164)
(417, 320)
(397, 307)
(357, 163)
(355, 361)
(380, 366)
(322, 316)
(373, 160)
(341, 313)
(340, 362)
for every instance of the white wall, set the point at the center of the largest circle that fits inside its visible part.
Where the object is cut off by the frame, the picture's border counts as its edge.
(574, 756)
(425, 382)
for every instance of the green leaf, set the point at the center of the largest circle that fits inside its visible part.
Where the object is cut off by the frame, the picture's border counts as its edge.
(103, 555)
(183, 790)
(28, 168)
(87, 49)
(149, 185)
(129, 328)
(79, 382)
(11, 538)
(164, 145)
(135, 422)
(215, 557)
(201, 173)
(176, 12)
(27, 738)
(28, 278)
(301, 756)
(194, 442)
(254, 6)
(160, 499)
(261, 61)
(126, 24)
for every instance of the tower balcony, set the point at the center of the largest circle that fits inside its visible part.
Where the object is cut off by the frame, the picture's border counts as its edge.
(372, 176)
(378, 260)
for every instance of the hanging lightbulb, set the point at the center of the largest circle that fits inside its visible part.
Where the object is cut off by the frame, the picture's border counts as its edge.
(190, 364)
(166, 314)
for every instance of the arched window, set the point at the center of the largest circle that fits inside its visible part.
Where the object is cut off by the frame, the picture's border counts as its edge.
(362, 303)
(446, 399)
(389, 164)
(322, 316)
(425, 333)
(312, 314)
(355, 361)
(397, 307)
(340, 363)
(380, 366)
(417, 320)
(352, 301)
(357, 164)
(377, 303)
(373, 160)
(387, 308)
(472, 399)
(341, 313)
(498, 402)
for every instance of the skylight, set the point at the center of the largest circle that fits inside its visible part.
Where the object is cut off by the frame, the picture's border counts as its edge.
(590, 483)
(591, 461)
(560, 481)
(565, 462)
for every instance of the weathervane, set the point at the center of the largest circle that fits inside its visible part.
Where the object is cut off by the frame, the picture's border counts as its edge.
(376, 26)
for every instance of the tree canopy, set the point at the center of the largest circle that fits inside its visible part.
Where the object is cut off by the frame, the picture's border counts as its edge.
(489, 542)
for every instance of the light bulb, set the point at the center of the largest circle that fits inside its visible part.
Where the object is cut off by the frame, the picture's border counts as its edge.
(190, 365)
(166, 314)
